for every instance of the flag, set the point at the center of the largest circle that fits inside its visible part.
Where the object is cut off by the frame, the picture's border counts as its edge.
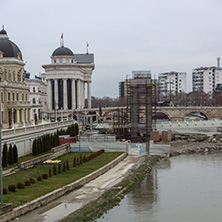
(62, 36)
(87, 44)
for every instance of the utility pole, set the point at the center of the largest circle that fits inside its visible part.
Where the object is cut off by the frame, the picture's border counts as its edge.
(1, 151)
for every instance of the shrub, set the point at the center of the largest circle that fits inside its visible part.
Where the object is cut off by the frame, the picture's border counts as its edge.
(45, 176)
(67, 164)
(50, 172)
(39, 178)
(77, 161)
(10, 155)
(32, 180)
(20, 185)
(12, 187)
(15, 154)
(74, 162)
(64, 167)
(80, 159)
(5, 156)
(27, 183)
(5, 190)
(59, 168)
(84, 159)
(54, 170)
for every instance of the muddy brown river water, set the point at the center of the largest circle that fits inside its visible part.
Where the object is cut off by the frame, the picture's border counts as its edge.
(186, 188)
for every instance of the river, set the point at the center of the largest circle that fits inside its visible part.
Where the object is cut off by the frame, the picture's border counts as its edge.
(187, 188)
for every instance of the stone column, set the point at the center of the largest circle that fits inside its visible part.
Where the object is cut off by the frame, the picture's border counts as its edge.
(23, 117)
(26, 115)
(89, 94)
(29, 115)
(17, 116)
(13, 119)
(79, 96)
(83, 94)
(49, 90)
(73, 94)
(56, 93)
(65, 99)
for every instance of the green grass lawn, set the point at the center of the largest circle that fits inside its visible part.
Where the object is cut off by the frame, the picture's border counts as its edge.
(40, 188)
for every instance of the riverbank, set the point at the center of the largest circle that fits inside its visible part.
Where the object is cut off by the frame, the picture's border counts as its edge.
(113, 196)
(190, 143)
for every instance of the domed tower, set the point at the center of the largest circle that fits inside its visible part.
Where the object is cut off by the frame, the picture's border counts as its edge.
(66, 77)
(14, 91)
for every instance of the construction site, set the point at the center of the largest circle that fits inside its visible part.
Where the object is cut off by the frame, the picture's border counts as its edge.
(135, 124)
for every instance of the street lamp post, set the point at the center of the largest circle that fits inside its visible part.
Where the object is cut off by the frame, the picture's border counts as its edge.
(1, 152)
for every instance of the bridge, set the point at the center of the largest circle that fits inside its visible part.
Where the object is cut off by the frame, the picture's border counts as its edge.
(172, 113)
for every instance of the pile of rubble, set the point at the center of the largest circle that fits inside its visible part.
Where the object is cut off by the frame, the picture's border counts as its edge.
(188, 143)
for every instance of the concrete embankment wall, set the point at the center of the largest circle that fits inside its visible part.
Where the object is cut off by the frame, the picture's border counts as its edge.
(159, 149)
(23, 137)
(107, 146)
(42, 201)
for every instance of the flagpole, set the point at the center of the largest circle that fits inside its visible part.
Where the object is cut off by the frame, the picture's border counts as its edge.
(87, 45)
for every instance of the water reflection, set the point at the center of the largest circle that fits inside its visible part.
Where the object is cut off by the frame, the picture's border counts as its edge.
(187, 188)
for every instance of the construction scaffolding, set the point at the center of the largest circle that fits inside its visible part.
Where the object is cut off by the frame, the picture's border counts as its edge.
(139, 106)
(120, 123)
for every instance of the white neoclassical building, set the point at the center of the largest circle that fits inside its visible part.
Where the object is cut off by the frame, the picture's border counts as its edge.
(37, 97)
(68, 79)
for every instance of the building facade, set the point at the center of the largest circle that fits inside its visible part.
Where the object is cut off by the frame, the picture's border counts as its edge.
(15, 105)
(206, 79)
(172, 83)
(38, 98)
(67, 77)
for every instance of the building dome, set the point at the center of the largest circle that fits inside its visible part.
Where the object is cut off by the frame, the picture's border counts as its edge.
(62, 51)
(7, 47)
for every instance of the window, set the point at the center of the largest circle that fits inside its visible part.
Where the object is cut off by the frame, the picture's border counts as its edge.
(67, 61)
(26, 97)
(13, 75)
(54, 60)
(60, 60)
(17, 96)
(33, 89)
(9, 96)
(33, 101)
(72, 61)
(22, 97)
(13, 96)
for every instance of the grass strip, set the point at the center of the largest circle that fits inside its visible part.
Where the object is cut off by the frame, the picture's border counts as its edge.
(113, 196)
(40, 188)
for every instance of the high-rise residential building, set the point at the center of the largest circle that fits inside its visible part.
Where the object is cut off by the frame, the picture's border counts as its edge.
(172, 83)
(206, 79)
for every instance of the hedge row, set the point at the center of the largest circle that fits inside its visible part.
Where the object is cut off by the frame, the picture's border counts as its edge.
(44, 143)
(56, 169)
(9, 156)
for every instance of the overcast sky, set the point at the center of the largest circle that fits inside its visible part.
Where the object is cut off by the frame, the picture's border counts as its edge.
(124, 35)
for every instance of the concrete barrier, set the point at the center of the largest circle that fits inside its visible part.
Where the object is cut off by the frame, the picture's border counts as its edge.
(42, 201)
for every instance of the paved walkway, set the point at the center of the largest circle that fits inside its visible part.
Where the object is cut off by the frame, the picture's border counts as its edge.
(89, 192)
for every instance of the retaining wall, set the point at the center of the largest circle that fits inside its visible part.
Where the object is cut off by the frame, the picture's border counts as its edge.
(42, 201)
(55, 152)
